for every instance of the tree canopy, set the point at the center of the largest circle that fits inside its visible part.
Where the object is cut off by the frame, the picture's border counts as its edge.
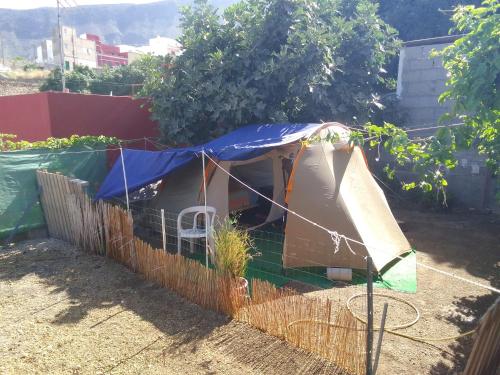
(273, 61)
(420, 19)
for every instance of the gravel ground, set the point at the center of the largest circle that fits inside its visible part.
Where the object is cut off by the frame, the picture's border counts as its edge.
(66, 312)
(465, 245)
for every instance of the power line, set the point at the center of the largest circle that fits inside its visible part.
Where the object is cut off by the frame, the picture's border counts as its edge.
(410, 130)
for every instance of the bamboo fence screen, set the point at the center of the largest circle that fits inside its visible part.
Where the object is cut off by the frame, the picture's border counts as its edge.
(485, 355)
(320, 326)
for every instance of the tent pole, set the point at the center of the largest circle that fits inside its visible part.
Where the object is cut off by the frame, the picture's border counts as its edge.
(380, 336)
(207, 220)
(163, 232)
(124, 178)
(369, 331)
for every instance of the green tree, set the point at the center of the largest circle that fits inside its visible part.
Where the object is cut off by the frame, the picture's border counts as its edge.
(473, 63)
(120, 80)
(273, 61)
(420, 19)
(53, 81)
(125, 79)
(77, 80)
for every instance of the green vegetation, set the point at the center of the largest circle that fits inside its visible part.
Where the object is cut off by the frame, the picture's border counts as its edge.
(8, 142)
(273, 61)
(473, 62)
(122, 80)
(232, 247)
(420, 19)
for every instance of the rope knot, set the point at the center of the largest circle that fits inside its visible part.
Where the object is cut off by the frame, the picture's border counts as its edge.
(336, 238)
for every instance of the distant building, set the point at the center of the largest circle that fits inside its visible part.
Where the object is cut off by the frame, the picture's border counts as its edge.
(38, 55)
(107, 54)
(45, 53)
(159, 46)
(89, 50)
(76, 50)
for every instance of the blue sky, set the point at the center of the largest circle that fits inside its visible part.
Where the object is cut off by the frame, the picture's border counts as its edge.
(30, 4)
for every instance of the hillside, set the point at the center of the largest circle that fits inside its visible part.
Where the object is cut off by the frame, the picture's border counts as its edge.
(22, 30)
(134, 24)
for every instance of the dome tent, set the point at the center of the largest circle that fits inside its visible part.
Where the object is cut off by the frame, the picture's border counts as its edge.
(327, 183)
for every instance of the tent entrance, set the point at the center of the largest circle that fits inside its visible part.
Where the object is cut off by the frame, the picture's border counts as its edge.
(250, 208)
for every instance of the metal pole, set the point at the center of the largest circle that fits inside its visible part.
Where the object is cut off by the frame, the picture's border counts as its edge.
(124, 178)
(164, 233)
(380, 336)
(369, 332)
(61, 45)
(207, 221)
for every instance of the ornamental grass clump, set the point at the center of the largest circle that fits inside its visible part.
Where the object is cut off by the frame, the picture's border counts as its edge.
(232, 249)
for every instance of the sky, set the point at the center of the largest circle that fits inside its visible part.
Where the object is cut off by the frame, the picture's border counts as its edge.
(30, 4)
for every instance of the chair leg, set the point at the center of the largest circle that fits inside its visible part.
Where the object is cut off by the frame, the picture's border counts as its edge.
(191, 245)
(179, 245)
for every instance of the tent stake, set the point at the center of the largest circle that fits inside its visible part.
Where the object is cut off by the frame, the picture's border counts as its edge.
(369, 332)
(163, 232)
(380, 336)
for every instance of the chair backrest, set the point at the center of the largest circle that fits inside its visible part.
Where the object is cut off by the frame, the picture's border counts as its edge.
(197, 210)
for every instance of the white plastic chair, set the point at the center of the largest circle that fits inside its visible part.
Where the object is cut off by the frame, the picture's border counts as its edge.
(195, 232)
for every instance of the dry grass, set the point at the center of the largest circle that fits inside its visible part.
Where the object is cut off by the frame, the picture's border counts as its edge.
(27, 75)
(232, 249)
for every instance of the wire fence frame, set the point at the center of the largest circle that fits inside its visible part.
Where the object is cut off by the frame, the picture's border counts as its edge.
(151, 225)
(337, 237)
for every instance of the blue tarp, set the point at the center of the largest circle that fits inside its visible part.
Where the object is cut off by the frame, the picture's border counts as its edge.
(145, 167)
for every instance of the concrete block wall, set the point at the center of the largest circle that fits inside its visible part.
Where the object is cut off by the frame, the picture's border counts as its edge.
(421, 80)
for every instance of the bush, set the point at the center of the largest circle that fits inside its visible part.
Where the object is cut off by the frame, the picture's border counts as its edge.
(232, 246)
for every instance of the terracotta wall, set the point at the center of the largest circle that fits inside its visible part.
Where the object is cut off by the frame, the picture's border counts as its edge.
(26, 116)
(53, 114)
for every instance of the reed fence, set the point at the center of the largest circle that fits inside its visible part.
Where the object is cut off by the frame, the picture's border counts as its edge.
(321, 326)
(485, 355)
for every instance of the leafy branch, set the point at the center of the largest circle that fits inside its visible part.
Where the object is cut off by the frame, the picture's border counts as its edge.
(8, 142)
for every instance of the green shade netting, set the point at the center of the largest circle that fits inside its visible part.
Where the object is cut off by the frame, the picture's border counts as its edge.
(400, 274)
(19, 204)
(266, 264)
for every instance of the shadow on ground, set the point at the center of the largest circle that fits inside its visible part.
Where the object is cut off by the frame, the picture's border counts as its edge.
(86, 282)
(469, 311)
(464, 242)
(91, 282)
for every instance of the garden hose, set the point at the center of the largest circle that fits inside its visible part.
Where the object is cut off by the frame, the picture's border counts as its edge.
(392, 330)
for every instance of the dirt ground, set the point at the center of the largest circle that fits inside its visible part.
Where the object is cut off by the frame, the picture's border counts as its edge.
(66, 312)
(464, 245)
